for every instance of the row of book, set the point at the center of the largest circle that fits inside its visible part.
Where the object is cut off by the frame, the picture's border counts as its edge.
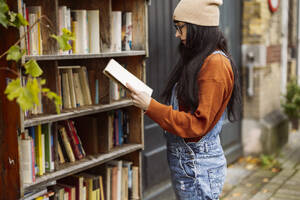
(37, 148)
(79, 87)
(76, 139)
(85, 25)
(33, 35)
(37, 152)
(116, 180)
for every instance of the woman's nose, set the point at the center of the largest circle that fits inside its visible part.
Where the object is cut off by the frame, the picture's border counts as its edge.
(177, 34)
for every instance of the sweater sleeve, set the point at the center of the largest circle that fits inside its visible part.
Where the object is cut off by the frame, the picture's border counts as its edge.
(212, 92)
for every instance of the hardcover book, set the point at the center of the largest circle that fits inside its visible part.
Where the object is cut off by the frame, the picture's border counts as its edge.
(118, 73)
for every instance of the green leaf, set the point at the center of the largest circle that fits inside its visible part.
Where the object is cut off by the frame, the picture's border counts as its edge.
(45, 90)
(15, 53)
(13, 89)
(25, 99)
(3, 10)
(43, 82)
(33, 68)
(21, 20)
(63, 40)
(34, 88)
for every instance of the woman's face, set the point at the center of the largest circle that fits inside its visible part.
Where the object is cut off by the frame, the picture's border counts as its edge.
(181, 31)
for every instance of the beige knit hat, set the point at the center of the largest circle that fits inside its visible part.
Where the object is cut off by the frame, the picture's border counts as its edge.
(199, 12)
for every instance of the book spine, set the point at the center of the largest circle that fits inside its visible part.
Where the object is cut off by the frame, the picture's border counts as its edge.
(67, 144)
(116, 37)
(39, 151)
(93, 30)
(72, 140)
(128, 36)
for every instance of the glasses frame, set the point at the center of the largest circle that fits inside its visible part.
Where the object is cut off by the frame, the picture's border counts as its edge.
(179, 28)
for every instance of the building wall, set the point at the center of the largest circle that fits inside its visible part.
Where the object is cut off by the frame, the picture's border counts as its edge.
(262, 36)
(262, 32)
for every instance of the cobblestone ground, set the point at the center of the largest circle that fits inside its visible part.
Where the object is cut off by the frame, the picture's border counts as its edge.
(249, 182)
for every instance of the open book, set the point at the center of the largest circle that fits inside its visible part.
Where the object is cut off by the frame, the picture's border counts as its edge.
(118, 73)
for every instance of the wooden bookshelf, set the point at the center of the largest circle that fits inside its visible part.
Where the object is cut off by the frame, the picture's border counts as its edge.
(82, 111)
(13, 122)
(84, 164)
(87, 56)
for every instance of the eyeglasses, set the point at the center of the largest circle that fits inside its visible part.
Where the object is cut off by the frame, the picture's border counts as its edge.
(179, 28)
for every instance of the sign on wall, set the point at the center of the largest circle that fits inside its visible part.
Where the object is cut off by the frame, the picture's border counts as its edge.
(274, 5)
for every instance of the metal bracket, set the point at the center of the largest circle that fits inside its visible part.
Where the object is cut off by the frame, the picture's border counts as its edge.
(250, 65)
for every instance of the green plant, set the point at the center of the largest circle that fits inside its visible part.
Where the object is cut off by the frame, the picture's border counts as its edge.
(291, 103)
(269, 162)
(27, 95)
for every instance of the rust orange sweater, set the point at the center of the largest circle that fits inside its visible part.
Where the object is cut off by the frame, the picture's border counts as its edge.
(215, 82)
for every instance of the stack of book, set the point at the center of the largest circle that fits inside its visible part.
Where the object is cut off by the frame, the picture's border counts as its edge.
(121, 34)
(37, 152)
(122, 181)
(84, 24)
(37, 149)
(119, 127)
(74, 87)
(69, 145)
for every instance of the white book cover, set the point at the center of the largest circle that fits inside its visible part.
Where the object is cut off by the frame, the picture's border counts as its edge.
(119, 73)
(26, 161)
(82, 35)
(94, 31)
(128, 36)
(33, 34)
(116, 32)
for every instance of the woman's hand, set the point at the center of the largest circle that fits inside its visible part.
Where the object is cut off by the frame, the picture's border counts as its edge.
(139, 99)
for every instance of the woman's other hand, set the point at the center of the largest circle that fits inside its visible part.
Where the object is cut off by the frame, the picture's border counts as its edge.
(139, 99)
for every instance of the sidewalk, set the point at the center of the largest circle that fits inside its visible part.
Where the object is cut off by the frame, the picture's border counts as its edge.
(246, 181)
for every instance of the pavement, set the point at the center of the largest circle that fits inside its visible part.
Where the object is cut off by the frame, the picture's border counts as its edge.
(247, 180)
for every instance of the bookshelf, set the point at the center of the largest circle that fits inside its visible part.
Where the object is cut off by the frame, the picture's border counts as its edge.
(103, 109)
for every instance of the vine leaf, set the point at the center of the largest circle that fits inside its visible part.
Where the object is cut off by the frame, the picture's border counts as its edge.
(33, 68)
(14, 90)
(17, 20)
(63, 40)
(3, 10)
(15, 53)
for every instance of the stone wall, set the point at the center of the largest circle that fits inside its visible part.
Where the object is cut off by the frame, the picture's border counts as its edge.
(261, 37)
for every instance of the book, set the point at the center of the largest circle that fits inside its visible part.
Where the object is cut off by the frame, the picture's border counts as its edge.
(66, 91)
(94, 31)
(67, 145)
(126, 31)
(71, 88)
(72, 140)
(78, 90)
(118, 73)
(38, 150)
(116, 33)
(26, 160)
(82, 39)
(83, 77)
(135, 182)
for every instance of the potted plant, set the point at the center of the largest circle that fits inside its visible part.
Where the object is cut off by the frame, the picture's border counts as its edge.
(291, 103)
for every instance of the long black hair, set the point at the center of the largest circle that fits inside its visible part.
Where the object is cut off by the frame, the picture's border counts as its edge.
(201, 41)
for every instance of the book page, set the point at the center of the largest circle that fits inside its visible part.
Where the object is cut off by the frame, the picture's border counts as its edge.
(116, 71)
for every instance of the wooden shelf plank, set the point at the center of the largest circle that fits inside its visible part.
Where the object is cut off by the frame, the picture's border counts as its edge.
(82, 111)
(87, 56)
(68, 169)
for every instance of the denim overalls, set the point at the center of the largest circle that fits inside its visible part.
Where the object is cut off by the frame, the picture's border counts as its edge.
(198, 169)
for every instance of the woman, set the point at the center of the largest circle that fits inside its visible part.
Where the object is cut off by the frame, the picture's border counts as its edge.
(202, 90)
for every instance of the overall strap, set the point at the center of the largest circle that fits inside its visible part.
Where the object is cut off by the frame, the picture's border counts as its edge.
(220, 52)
